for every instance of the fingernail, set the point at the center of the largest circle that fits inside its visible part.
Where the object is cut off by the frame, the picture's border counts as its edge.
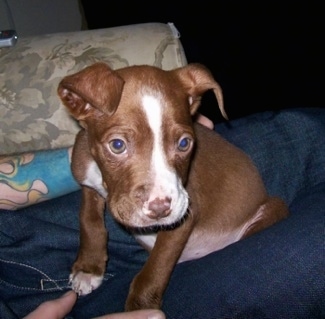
(156, 315)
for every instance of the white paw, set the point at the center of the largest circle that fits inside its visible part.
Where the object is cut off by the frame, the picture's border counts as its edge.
(84, 283)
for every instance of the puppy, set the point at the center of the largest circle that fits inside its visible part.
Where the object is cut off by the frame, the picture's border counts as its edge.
(187, 189)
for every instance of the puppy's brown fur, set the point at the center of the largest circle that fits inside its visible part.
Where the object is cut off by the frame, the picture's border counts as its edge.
(210, 195)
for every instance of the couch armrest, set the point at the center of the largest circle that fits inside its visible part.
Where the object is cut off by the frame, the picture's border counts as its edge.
(31, 114)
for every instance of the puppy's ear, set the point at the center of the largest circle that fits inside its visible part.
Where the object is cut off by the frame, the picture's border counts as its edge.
(197, 79)
(95, 88)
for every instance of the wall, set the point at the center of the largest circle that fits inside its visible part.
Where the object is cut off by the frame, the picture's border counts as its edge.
(32, 17)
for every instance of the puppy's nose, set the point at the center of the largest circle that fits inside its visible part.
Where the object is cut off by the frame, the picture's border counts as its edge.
(159, 208)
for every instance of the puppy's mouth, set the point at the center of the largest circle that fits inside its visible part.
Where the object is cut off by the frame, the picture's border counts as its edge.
(151, 229)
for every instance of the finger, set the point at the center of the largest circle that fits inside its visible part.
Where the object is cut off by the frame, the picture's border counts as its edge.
(138, 314)
(54, 309)
(204, 121)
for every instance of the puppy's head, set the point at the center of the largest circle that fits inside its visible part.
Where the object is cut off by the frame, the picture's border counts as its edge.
(138, 122)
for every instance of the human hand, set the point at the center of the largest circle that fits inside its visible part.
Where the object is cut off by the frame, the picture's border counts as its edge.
(54, 309)
(137, 314)
(204, 121)
(58, 308)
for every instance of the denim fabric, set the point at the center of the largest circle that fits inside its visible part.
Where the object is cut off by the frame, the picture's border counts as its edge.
(287, 147)
(38, 245)
(277, 273)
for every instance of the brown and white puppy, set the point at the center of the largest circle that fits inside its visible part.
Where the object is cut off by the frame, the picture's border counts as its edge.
(187, 189)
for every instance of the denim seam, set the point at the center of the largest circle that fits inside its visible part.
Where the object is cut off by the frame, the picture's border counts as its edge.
(31, 289)
(35, 269)
(43, 280)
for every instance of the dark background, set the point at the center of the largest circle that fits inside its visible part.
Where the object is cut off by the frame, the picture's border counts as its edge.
(266, 55)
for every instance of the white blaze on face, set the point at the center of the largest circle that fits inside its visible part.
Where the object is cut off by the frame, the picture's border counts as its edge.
(166, 183)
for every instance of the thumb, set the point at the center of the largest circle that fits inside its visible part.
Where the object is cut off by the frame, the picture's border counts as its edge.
(54, 309)
(66, 302)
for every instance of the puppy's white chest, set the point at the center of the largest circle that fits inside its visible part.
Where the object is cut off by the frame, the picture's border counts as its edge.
(147, 241)
(94, 179)
(198, 245)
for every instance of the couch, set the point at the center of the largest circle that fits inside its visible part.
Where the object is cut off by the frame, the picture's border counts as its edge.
(32, 119)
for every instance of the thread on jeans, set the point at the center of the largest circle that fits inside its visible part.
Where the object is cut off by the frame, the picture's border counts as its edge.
(35, 269)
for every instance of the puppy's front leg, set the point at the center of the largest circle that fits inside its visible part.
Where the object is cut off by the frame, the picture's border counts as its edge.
(149, 284)
(88, 269)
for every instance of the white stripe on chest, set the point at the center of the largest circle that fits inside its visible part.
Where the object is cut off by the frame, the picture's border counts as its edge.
(94, 179)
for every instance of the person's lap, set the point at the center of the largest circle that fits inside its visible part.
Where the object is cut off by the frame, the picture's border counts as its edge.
(38, 245)
(278, 273)
(288, 147)
(272, 274)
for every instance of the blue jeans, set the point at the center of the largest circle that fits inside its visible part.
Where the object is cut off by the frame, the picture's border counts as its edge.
(277, 273)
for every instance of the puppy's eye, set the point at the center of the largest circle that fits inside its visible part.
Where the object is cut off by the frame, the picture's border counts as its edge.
(117, 146)
(184, 144)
